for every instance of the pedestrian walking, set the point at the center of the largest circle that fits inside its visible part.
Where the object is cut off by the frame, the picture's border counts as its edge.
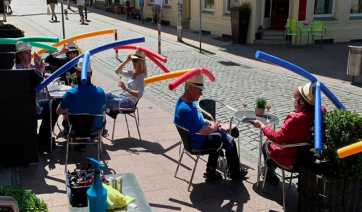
(127, 5)
(157, 8)
(52, 4)
(141, 3)
(8, 7)
(85, 10)
(81, 4)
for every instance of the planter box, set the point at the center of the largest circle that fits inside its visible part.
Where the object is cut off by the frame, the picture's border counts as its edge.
(318, 193)
(239, 25)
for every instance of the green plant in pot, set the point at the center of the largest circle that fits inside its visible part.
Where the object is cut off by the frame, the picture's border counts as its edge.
(74, 79)
(335, 182)
(240, 16)
(27, 200)
(260, 104)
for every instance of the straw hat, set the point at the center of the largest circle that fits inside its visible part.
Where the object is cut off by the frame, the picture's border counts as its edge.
(307, 93)
(140, 55)
(22, 46)
(197, 81)
(80, 63)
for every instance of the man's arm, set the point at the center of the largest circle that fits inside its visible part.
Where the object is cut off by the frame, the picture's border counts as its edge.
(60, 110)
(210, 128)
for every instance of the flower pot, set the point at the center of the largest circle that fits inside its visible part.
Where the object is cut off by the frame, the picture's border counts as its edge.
(259, 112)
(117, 10)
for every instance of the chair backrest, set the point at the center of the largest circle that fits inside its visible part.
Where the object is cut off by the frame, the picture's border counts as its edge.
(293, 24)
(318, 25)
(209, 106)
(80, 125)
(185, 140)
(303, 157)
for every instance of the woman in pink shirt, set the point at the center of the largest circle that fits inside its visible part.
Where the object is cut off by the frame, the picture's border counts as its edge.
(295, 129)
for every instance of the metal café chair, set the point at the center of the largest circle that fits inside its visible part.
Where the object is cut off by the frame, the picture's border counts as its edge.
(208, 106)
(300, 159)
(318, 29)
(292, 29)
(80, 125)
(197, 152)
(126, 111)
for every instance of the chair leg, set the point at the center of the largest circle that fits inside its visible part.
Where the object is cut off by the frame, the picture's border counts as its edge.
(224, 167)
(239, 149)
(283, 175)
(125, 117)
(138, 118)
(179, 162)
(321, 41)
(66, 154)
(193, 172)
(114, 124)
(265, 171)
(99, 146)
(139, 134)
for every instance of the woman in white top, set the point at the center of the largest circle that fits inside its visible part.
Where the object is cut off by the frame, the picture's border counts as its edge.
(135, 85)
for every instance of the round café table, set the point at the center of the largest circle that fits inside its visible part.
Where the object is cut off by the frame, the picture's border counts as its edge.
(246, 117)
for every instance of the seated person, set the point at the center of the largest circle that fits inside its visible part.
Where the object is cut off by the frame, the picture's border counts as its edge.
(187, 116)
(295, 129)
(87, 98)
(23, 61)
(131, 94)
(71, 52)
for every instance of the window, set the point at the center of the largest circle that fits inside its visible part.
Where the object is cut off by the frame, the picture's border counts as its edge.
(230, 3)
(208, 5)
(167, 2)
(323, 8)
(356, 8)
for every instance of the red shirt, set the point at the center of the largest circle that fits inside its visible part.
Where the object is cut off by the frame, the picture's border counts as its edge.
(295, 129)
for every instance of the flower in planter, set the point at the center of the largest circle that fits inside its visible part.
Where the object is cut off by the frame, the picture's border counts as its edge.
(74, 79)
(260, 103)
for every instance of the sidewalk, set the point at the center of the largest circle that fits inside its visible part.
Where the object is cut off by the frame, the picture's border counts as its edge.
(237, 77)
(153, 167)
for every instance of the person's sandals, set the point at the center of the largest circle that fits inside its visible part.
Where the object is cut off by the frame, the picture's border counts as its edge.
(105, 133)
(212, 174)
(243, 172)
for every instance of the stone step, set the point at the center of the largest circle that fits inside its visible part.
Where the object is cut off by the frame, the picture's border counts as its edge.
(272, 37)
(270, 42)
(273, 32)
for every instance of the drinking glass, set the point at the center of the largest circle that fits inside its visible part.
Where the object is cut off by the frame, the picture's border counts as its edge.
(68, 75)
(268, 106)
(245, 105)
(61, 85)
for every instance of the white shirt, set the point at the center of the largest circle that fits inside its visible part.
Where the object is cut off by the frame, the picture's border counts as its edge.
(80, 2)
(159, 2)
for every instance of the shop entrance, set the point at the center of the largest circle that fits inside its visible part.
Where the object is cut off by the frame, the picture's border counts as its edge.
(275, 14)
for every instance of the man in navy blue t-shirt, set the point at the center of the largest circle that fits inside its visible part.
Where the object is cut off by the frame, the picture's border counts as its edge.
(187, 116)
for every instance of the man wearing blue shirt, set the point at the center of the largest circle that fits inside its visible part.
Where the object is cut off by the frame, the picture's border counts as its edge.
(187, 116)
(141, 3)
(84, 99)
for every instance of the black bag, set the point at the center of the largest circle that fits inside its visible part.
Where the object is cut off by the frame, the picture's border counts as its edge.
(226, 138)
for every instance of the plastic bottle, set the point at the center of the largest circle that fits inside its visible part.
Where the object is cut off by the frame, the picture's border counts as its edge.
(97, 194)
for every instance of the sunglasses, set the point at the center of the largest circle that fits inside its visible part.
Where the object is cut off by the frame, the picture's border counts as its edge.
(134, 61)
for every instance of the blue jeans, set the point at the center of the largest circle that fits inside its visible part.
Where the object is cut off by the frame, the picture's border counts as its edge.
(44, 130)
(114, 99)
(271, 167)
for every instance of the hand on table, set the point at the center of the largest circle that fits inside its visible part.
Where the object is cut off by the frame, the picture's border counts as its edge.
(257, 124)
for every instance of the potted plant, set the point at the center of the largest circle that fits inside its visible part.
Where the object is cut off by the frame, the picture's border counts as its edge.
(330, 182)
(117, 9)
(260, 104)
(74, 79)
(27, 200)
(240, 17)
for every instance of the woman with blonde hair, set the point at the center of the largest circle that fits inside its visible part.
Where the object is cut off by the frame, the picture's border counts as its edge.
(135, 85)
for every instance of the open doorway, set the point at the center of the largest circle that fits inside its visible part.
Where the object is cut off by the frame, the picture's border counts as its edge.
(275, 14)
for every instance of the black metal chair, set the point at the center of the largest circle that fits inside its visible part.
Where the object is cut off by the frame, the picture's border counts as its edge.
(302, 158)
(197, 152)
(208, 106)
(80, 129)
(126, 111)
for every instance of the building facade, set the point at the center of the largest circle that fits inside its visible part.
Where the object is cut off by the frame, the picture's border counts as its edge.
(343, 18)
